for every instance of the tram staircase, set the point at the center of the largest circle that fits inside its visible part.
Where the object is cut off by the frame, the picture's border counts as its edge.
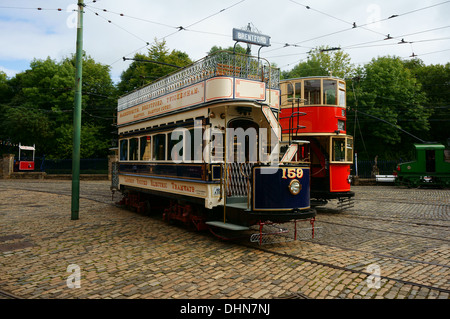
(294, 120)
(238, 186)
(238, 189)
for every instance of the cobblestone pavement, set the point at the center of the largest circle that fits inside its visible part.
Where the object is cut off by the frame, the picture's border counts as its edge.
(393, 244)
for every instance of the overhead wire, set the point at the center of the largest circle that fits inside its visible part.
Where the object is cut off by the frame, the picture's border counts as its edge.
(109, 21)
(400, 36)
(32, 8)
(354, 25)
(180, 28)
(283, 44)
(405, 13)
(135, 18)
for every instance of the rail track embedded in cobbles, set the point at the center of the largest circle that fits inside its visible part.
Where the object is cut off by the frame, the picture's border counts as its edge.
(407, 240)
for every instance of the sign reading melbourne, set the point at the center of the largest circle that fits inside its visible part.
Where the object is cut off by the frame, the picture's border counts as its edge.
(251, 37)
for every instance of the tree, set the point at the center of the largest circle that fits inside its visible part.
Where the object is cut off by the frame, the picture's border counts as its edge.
(238, 49)
(42, 98)
(435, 83)
(389, 100)
(5, 89)
(139, 73)
(323, 61)
(92, 145)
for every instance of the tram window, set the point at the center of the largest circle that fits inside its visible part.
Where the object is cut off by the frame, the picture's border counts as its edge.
(217, 146)
(342, 98)
(196, 144)
(298, 90)
(312, 92)
(290, 91)
(134, 149)
(338, 150)
(159, 147)
(246, 144)
(124, 150)
(430, 161)
(145, 150)
(329, 92)
(349, 149)
(175, 155)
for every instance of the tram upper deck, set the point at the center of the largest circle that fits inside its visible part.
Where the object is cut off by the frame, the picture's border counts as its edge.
(318, 104)
(221, 77)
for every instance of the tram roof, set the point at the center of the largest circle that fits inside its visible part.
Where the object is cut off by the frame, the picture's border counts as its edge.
(222, 63)
(433, 146)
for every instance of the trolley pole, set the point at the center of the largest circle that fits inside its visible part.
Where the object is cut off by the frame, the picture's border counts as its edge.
(77, 116)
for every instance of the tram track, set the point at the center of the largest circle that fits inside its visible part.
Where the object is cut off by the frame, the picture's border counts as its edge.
(386, 231)
(101, 197)
(371, 252)
(62, 193)
(343, 268)
(398, 221)
(382, 255)
(400, 201)
(7, 295)
(402, 219)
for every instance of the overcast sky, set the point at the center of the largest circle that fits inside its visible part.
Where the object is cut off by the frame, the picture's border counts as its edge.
(27, 33)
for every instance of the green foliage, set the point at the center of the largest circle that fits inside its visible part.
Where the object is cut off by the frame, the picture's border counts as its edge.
(39, 102)
(323, 63)
(139, 74)
(389, 100)
(435, 83)
(92, 145)
(237, 49)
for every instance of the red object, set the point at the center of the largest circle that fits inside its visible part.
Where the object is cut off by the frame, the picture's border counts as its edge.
(26, 166)
(339, 177)
(318, 119)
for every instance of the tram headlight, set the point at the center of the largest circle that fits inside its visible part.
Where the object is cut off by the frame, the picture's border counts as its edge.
(295, 187)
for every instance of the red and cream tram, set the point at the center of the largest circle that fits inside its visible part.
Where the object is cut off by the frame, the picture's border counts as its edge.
(314, 109)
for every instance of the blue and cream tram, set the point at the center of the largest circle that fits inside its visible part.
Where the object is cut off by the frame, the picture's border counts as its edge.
(204, 142)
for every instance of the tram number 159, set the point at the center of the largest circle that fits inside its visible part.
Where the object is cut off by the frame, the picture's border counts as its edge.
(292, 173)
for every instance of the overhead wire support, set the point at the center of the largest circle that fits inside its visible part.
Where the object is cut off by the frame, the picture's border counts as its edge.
(75, 206)
(330, 49)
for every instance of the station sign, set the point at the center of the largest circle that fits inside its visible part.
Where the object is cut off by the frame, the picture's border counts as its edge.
(251, 37)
